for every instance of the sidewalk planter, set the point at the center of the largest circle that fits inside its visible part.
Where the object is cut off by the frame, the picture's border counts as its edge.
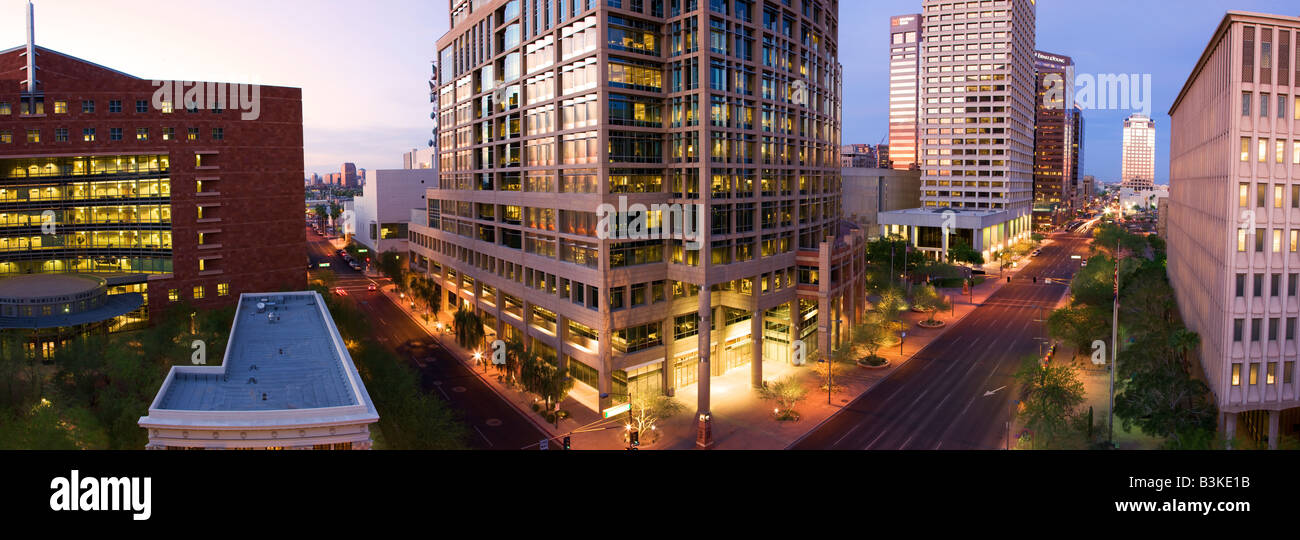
(874, 362)
(931, 326)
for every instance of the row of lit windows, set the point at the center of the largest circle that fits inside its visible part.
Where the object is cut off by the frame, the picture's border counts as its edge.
(114, 134)
(1262, 146)
(199, 292)
(88, 107)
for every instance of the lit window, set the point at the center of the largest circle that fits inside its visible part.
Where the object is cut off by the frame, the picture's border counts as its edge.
(169, 133)
(1254, 374)
(33, 135)
(142, 134)
(1279, 194)
(1262, 155)
(1243, 193)
(1245, 149)
(6, 137)
(1277, 240)
(1241, 240)
(1236, 374)
(88, 135)
(1280, 151)
(193, 134)
(1295, 240)
(1270, 373)
(1295, 153)
(173, 295)
(198, 292)
(223, 289)
(60, 107)
(167, 107)
(5, 109)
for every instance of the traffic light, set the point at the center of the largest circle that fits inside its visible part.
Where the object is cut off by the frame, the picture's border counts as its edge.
(567, 443)
(636, 439)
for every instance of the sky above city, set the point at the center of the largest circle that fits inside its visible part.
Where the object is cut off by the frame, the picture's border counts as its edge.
(364, 66)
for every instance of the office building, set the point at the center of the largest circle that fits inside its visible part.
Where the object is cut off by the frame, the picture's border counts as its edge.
(1054, 141)
(711, 130)
(111, 175)
(859, 156)
(286, 382)
(1138, 170)
(904, 84)
(868, 191)
(977, 179)
(381, 214)
(1234, 246)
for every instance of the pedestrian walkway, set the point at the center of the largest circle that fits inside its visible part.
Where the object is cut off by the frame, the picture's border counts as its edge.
(742, 420)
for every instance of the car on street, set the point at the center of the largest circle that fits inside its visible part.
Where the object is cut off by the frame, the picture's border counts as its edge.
(355, 266)
(371, 287)
(339, 291)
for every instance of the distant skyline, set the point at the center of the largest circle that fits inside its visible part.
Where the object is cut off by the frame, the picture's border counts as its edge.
(364, 66)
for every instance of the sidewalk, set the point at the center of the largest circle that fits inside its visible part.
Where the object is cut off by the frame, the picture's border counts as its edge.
(742, 420)
(581, 415)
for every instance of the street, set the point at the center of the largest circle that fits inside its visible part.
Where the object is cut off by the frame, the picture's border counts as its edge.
(956, 394)
(494, 424)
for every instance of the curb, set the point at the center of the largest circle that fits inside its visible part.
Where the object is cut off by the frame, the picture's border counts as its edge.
(546, 428)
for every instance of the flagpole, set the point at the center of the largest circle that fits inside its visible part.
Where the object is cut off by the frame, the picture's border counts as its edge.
(1114, 346)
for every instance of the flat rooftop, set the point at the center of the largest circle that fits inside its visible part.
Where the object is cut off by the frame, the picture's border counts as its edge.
(46, 285)
(292, 363)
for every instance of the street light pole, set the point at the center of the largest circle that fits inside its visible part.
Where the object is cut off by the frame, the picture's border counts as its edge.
(1114, 347)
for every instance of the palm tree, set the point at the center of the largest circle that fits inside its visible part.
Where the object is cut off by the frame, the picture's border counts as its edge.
(516, 352)
(1183, 342)
(469, 329)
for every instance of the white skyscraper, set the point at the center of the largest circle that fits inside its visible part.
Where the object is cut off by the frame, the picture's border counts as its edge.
(1139, 168)
(977, 105)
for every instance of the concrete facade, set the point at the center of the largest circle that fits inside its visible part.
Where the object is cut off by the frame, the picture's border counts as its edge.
(1234, 220)
(381, 215)
(870, 191)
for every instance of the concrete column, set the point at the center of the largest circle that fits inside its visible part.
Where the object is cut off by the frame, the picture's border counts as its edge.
(1229, 427)
(605, 354)
(669, 370)
(704, 418)
(561, 337)
(756, 337)
(794, 328)
(1274, 423)
(825, 323)
(525, 323)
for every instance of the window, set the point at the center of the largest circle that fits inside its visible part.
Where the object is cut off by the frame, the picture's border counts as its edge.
(1243, 189)
(141, 106)
(6, 137)
(1281, 106)
(223, 289)
(115, 106)
(114, 134)
(1277, 241)
(142, 134)
(60, 107)
(87, 107)
(169, 133)
(88, 135)
(1245, 103)
(198, 292)
(218, 134)
(1254, 374)
(1236, 374)
(193, 134)
(1262, 155)
(5, 108)
(1279, 150)
(1245, 149)
(1241, 285)
(1259, 240)
(1258, 289)
(61, 135)
(1238, 328)
(1279, 194)
(1264, 100)
(173, 295)
(1295, 240)
(33, 135)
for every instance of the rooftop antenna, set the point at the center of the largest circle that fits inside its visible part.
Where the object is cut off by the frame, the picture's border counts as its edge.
(31, 48)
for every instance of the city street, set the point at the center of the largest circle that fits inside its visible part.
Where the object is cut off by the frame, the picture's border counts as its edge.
(494, 424)
(957, 393)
